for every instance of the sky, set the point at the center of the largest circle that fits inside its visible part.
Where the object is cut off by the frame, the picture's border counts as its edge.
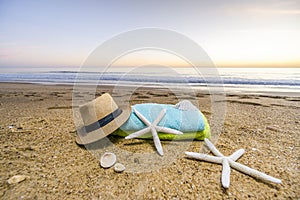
(60, 34)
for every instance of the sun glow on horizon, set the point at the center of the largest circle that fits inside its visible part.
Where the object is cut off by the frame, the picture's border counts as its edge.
(232, 33)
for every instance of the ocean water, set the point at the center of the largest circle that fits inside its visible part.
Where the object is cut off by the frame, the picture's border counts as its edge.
(278, 81)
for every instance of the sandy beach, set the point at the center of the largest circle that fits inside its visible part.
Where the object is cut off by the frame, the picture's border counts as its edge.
(37, 140)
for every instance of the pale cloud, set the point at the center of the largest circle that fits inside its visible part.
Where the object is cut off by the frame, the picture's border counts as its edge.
(6, 48)
(276, 11)
(10, 50)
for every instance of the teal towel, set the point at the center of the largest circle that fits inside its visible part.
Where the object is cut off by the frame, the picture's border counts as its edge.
(182, 120)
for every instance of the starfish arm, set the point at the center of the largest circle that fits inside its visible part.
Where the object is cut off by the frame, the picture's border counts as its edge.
(205, 157)
(159, 117)
(213, 149)
(168, 130)
(138, 133)
(225, 173)
(253, 172)
(157, 142)
(146, 122)
(236, 155)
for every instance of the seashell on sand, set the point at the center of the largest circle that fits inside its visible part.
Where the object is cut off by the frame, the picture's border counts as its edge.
(17, 179)
(108, 159)
(119, 167)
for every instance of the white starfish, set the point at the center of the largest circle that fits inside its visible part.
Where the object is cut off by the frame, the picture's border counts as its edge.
(229, 161)
(154, 129)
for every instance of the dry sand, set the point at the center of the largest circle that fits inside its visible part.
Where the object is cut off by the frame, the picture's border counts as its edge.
(37, 140)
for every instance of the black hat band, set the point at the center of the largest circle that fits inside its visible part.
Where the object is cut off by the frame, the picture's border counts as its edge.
(103, 122)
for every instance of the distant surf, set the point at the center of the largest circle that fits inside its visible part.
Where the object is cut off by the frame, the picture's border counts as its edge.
(254, 80)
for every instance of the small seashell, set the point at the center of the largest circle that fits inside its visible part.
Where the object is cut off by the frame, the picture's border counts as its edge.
(108, 159)
(17, 179)
(119, 167)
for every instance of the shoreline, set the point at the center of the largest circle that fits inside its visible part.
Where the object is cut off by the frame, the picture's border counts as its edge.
(230, 90)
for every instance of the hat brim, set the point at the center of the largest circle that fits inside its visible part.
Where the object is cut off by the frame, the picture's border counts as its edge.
(83, 138)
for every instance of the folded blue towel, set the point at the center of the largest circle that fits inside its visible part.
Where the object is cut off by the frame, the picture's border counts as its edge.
(182, 120)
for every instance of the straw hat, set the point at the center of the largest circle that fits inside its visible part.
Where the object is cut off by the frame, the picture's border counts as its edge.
(101, 117)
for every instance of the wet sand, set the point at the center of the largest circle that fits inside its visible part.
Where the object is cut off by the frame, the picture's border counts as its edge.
(37, 135)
